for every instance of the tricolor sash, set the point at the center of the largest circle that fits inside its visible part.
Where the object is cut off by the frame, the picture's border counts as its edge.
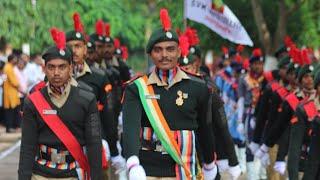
(161, 127)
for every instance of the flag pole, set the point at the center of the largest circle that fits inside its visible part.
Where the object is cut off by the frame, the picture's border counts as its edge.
(185, 21)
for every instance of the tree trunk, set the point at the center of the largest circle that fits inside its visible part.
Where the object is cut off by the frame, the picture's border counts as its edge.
(281, 27)
(264, 33)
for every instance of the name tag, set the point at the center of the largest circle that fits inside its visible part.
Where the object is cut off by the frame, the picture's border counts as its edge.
(49, 111)
(156, 96)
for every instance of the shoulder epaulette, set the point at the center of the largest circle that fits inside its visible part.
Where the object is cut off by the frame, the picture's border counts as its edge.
(193, 74)
(293, 101)
(282, 92)
(132, 79)
(311, 110)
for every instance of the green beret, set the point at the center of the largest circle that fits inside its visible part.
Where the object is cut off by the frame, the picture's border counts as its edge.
(305, 70)
(54, 53)
(292, 67)
(96, 37)
(195, 50)
(73, 35)
(160, 35)
(183, 61)
(284, 62)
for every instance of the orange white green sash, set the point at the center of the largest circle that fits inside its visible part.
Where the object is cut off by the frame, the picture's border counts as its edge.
(160, 125)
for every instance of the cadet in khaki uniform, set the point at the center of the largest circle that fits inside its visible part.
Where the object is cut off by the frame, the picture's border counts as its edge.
(163, 113)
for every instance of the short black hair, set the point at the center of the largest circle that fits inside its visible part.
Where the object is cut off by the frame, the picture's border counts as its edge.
(11, 57)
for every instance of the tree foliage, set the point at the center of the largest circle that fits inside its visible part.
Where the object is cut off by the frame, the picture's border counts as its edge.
(133, 21)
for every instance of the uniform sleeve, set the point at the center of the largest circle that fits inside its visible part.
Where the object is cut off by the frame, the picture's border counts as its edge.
(94, 141)
(280, 125)
(109, 123)
(225, 145)
(29, 141)
(131, 114)
(261, 118)
(205, 131)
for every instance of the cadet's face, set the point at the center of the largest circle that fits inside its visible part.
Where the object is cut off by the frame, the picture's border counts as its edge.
(307, 81)
(226, 62)
(165, 54)
(58, 72)
(79, 50)
(109, 49)
(100, 49)
(257, 67)
(291, 77)
(91, 55)
(282, 73)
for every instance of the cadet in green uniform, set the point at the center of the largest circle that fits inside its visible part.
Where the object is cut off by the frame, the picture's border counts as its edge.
(163, 114)
(44, 153)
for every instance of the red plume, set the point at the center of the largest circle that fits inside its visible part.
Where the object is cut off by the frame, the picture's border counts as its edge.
(256, 52)
(165, 19)
(305, 56)
(238, 59)
(116, 43)
(246, 64)
(184, 45)
(78, 27)
(288, 41)
(225, 50)
(107, 26)
(58, 37)
(99, 27)
(192, 36)
(125, 53)
(240, 48)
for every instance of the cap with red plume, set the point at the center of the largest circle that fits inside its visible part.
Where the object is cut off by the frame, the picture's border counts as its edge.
(59, 51)
(99, 32)
(108, 33)
(240, 48)
(256, 55)
(246, 64)
(192, 36)
(307, 67)
(125, 54)
(288, 42)
(225, 52)
(165, 33)
(116, 43)
(184, 47)
(78, 32)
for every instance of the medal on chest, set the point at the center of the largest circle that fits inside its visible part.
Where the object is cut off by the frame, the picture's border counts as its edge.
(181, 97)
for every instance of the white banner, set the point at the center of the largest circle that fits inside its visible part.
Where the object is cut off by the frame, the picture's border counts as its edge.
(225, 23)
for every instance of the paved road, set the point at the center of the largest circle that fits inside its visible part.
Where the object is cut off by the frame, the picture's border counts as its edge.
(9, 166)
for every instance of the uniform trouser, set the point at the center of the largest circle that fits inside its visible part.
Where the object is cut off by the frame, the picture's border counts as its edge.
(271, 173)
(297, 133)
(38, 177)
(312, 169)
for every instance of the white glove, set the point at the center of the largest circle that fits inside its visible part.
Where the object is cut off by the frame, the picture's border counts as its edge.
(119, 163)
(265, 160)
(235, 172)
(262, 151)
(280, 167)
(136, 171)
(240, 128)
(223, 165)
(209, 171)
(106, 148)
(253, 123)
(254, 147)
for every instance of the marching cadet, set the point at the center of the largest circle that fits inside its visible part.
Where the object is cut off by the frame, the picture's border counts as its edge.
(287, 117)
(249, 90)
(267, 106)
(226, 156)
(312, 165)
(164, 114)
(100, 85)
(60, 121)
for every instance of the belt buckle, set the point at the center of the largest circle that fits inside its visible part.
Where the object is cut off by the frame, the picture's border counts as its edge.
(58, 158)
